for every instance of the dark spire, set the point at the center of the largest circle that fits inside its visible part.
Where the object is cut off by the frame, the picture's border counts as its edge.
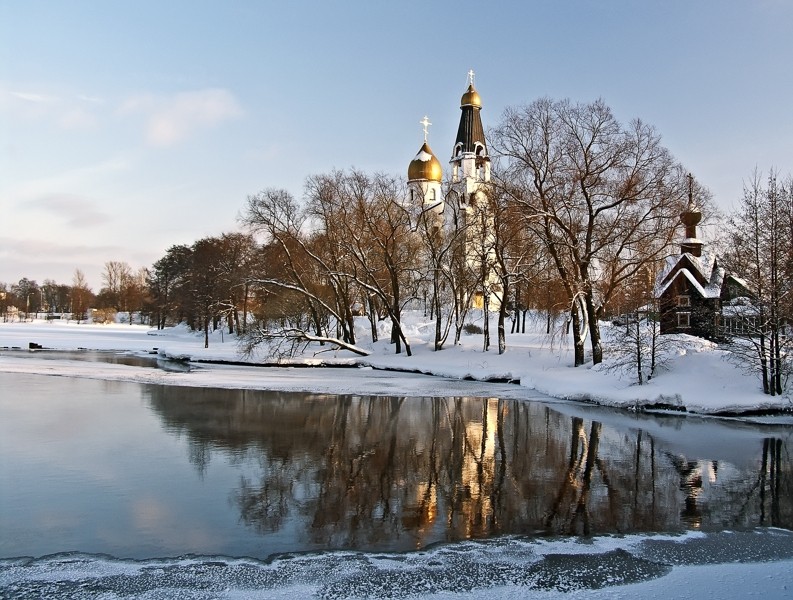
(691, 218)
(470, 133)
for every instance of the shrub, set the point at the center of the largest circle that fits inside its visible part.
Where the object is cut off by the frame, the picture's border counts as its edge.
(472, 328)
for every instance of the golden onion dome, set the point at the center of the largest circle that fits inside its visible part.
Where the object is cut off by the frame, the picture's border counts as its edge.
(471, 97)
(425, 166)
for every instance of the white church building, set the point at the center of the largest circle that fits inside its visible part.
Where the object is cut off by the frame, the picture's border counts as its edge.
(470, 174)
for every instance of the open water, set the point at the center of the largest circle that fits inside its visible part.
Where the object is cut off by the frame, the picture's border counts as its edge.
(114, 489)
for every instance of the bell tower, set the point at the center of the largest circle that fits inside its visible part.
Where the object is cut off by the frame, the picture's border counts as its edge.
(470, 177)
(470, 162)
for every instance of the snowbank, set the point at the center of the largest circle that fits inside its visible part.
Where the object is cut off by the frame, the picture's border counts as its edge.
(697, 378)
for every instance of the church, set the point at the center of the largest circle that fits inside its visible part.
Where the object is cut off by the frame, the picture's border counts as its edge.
(470, 174)
(692, 288)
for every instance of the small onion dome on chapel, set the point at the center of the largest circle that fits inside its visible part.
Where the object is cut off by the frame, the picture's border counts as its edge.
(691, 216)
(425, 166)
(471, 97)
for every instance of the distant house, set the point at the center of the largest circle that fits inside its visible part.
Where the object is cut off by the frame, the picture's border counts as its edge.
(692, 287)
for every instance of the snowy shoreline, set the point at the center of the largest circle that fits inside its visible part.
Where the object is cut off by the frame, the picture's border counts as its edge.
(699, 379)
(693, 564)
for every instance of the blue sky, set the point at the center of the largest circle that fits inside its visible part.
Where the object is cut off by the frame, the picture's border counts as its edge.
(126, 127)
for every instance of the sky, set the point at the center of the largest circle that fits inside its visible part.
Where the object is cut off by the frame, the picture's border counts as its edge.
(128, 127)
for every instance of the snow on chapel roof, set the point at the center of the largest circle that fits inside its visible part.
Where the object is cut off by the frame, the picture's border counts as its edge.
(702, 272)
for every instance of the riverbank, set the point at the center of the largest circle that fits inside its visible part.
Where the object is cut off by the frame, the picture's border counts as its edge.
(698, 376)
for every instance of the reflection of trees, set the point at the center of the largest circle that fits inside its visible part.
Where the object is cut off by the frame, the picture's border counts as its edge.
(714, 493)
(772, 482)
(399, 473)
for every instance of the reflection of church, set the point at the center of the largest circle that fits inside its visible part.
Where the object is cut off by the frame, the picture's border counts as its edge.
(466, 189)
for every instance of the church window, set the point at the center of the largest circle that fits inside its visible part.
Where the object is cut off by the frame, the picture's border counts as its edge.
(683, 320)
(683, 300)
(432, 195)
(412, 196)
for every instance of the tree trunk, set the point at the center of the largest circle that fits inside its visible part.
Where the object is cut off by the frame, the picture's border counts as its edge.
(516, 310)
(653, 348)
(578, 340)
(594, 329)
(372, 317)
(639, 374)
(244, 310)
(395, 337)
(502, 315)
(436, 307)
(486, 316)
(764, 363)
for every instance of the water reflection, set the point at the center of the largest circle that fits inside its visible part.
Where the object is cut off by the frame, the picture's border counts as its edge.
(128, 359)
(394, 473)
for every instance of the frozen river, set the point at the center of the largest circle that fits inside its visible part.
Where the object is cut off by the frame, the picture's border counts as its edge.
(109, 487)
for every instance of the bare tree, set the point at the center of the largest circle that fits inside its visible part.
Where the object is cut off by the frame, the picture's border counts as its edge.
(441, 234)
(375, 232)
(299, 264)
(81, 295)
(636, 344)
(603, 198)
(761, 238)
(115, 281)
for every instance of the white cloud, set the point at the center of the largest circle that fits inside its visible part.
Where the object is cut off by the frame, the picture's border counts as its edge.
(174, 118)
(31, 97)
(63, 109)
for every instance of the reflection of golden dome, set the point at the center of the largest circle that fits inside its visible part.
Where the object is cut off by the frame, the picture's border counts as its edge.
(425, 166)
(471, 97)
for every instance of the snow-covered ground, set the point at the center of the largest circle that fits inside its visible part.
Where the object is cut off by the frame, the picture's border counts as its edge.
(700, 566)
(693, 566)
(698, 377)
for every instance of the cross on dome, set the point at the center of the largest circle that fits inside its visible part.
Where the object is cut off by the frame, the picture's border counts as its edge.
(426, 122)
(471, 77)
